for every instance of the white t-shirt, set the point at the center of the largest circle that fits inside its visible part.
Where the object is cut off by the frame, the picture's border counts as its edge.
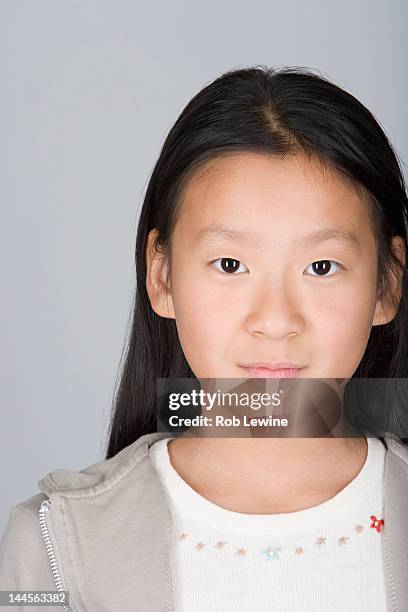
(325, 558)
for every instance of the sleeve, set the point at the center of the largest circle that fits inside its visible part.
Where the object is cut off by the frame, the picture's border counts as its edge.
(24, 563)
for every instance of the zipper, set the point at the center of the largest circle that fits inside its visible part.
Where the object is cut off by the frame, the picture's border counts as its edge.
(56, 572)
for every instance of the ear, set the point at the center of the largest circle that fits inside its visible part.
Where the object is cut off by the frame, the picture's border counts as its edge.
(386, 308)
(157, 278)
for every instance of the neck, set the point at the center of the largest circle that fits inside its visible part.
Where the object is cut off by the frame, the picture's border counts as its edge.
(267, 476)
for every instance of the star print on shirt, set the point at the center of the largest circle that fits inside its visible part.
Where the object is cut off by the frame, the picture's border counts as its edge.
(376, 523)
(271, 553)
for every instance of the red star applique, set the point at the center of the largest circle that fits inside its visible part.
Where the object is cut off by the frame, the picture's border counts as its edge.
(377, 523)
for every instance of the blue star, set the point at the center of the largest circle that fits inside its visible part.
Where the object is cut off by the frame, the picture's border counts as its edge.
(271, 553)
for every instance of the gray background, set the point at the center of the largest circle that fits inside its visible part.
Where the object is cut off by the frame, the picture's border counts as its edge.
(89, 90)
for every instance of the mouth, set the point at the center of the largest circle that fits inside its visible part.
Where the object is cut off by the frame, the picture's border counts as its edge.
(280, 370)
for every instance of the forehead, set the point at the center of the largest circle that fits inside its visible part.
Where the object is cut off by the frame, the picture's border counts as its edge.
(265, 191)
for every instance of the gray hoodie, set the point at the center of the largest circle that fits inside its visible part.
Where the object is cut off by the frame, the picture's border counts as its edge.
(103, 535)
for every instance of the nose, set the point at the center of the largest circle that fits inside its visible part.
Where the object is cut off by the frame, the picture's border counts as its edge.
(275, 311)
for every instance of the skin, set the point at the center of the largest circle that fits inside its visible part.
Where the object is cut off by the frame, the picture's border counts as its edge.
(274, 307)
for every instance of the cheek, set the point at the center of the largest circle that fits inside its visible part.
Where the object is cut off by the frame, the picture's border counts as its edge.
(347, 306)
(206, 321)
(342, 326)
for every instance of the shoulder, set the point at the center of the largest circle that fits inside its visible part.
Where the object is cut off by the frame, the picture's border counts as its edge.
(23, 558)
(24, 562)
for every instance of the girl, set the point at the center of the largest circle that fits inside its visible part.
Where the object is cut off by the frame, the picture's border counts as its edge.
(271, 242)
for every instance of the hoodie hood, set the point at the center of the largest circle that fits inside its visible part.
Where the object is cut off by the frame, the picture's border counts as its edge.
(95, 478)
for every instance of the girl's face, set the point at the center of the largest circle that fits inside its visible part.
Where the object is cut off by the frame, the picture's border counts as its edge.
(244, 277)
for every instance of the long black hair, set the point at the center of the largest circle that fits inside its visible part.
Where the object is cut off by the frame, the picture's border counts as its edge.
(276, 111)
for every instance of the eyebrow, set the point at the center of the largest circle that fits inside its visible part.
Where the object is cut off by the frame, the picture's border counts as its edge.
(345, 237)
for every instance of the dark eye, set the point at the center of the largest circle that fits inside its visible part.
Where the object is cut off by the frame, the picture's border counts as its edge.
(228, 265)
(322, 267)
